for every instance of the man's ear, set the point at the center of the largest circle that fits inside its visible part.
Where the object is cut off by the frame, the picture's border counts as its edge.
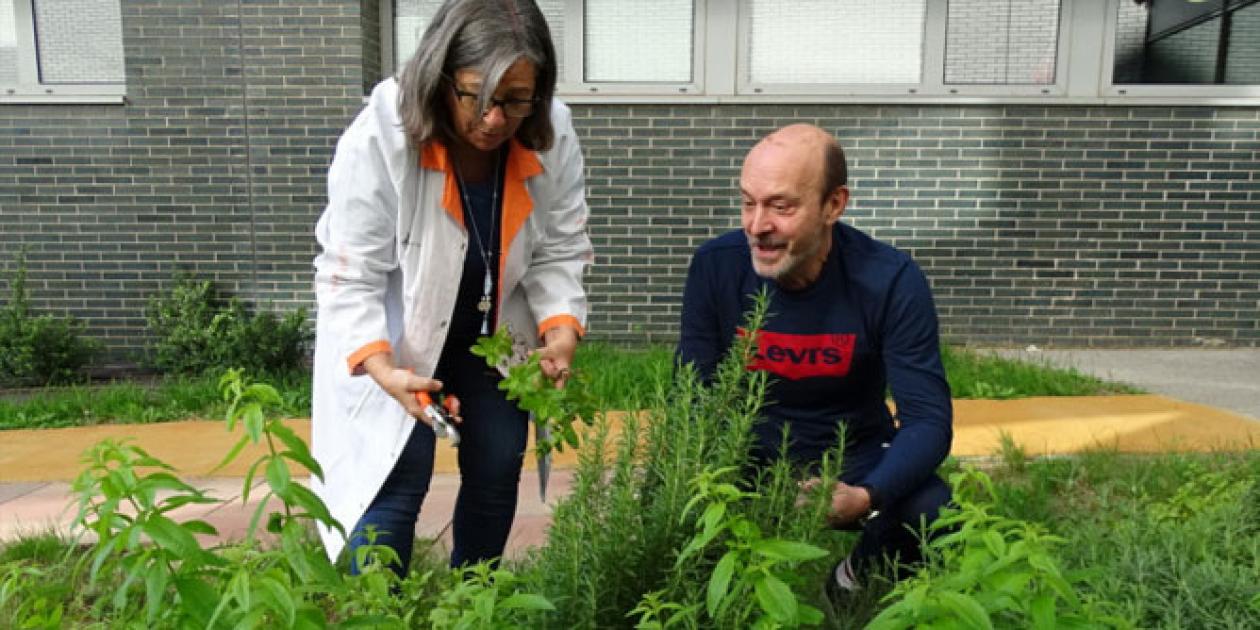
(834, 204)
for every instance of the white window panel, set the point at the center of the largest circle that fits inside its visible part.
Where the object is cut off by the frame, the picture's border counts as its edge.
(819, 42)
(61, 51)
(411, 17)
(8, 45)
(1002, 42)
(646, 41)
(80, 41)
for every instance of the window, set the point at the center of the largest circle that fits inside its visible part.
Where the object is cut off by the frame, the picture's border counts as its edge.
(61, 50)
(647, 41)
(979, 51)
(1210, 42)
(411, 17)
(1002, 42)
(834, 42)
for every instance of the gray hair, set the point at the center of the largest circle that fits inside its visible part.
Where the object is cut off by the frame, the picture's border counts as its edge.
(488, 36)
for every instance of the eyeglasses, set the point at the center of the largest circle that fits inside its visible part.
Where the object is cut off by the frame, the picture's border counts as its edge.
(512, 107)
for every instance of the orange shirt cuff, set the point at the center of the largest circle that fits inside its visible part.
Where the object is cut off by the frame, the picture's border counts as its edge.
(359, 356)
(561, 320)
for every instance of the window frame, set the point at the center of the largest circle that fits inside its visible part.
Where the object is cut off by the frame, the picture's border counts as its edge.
(575, 59)
(1084, 68)
(932, 69)
(29, 89)
(1215, 93)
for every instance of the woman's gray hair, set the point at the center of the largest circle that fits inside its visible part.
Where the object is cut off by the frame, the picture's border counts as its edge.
(487, 36)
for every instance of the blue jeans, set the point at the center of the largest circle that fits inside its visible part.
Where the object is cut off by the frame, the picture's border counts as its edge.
(894, 533)
(491, 451)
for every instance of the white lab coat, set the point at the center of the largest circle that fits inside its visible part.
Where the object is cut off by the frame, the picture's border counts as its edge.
(393, 244)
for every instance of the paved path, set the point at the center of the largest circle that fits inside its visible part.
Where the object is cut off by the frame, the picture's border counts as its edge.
(36, 465)
(1229, 379)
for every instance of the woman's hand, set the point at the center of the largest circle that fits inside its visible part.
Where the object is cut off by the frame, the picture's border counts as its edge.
(556, 355)
(403, 384)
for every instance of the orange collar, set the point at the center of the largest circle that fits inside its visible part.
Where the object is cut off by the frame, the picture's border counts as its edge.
(522, 163)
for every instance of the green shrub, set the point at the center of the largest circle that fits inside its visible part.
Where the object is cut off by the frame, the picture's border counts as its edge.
(39, 350)
(197, 332)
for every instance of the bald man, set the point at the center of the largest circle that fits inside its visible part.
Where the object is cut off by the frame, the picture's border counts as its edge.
(849, 317)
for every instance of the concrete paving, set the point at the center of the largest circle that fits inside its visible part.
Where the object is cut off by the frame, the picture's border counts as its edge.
(1225, 378)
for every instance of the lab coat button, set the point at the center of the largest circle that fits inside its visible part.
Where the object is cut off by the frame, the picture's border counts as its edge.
(442, 324)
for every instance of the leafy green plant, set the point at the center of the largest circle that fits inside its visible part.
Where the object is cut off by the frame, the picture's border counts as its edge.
(197, 332)
(987, 571)
(554, 409)
(752, 563)
(125, 497)
(1205, 491)
(39, 350)
(485, 597)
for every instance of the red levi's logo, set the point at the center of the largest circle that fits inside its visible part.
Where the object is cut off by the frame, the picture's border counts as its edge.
(803, 356)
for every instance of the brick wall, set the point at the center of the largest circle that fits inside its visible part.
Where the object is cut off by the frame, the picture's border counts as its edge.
(215, 165)
(1067, 226)
(1070, 226)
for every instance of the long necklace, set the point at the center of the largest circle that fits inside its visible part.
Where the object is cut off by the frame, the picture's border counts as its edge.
(486, 249)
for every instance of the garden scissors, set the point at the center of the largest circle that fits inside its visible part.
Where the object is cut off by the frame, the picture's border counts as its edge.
(439, 417)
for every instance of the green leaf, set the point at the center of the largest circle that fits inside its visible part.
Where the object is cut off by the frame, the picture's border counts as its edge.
(966, 609)
(169, 535)
(198, 526)
(712, 516)
(196, 598)
(278, 594)
(483, 604)
(775, 598)
(995, 543)
(526, 601)
(154, 593)
(779, 549)
(1042, 612)
(278, 475)
(232, 453)
(719, 582)
(254, 419)
(298, 451)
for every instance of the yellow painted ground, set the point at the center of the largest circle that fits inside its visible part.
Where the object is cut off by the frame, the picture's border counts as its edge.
(1049, 425)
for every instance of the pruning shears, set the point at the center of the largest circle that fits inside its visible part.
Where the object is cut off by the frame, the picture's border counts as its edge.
(439, 418)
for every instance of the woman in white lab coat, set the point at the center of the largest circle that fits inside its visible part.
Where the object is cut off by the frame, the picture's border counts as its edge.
(456, 205)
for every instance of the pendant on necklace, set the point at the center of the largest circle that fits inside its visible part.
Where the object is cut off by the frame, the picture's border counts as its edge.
(484, 304)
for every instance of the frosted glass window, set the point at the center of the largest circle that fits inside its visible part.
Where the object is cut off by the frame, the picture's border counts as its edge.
(645, 41)
(1002, 41)
(79, 41)
(835, 41)
(411, 17)
(8, 44)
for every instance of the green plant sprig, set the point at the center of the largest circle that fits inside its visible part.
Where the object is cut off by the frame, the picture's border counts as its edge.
(752, 562)
(554, 409)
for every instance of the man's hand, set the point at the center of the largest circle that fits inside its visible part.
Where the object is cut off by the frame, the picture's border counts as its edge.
(848, 503)
(402, 384)
(556, 355)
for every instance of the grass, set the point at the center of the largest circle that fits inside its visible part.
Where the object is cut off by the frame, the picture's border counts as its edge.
(176, 398)
(617, 375)
(975, 375)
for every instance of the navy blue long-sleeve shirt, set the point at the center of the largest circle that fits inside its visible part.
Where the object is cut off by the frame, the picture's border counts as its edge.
(865, 325)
